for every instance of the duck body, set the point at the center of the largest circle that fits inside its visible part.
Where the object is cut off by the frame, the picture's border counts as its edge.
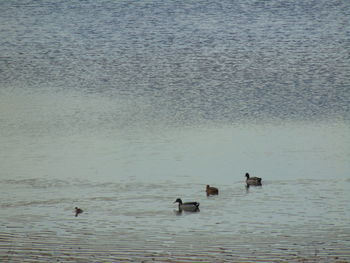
(78, 211)
(252, 180)
(212, 190)
(188, 206)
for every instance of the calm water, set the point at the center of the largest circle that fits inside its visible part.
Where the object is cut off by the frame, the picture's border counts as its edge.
(120, 107)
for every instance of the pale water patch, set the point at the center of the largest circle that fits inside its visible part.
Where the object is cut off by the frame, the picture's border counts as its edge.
(73, 137)
(285, 220)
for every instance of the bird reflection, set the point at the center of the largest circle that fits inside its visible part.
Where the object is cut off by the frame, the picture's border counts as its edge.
(178, 212)
(247, 186)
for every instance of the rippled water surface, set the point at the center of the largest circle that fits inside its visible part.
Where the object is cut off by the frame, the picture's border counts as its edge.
(120, 107)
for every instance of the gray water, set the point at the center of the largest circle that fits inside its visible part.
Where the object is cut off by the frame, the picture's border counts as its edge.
(120, 107)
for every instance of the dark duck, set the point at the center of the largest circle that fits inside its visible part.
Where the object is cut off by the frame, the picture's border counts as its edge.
(254, 181)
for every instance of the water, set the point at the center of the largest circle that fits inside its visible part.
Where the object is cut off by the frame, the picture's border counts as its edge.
(120, 107)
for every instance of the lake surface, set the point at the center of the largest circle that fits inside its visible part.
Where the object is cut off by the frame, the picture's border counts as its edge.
(120, 107)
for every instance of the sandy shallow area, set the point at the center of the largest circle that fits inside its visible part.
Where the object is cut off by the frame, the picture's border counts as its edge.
(46, 247)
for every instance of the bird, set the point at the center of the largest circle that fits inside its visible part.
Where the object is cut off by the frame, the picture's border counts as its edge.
(78, 211)
(252, 180)
(188, 206)
(212, 190)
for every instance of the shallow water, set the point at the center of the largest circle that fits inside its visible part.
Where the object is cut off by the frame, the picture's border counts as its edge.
(281, 221)
(120, 107)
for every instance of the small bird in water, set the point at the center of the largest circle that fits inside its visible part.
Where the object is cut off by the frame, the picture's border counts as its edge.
(211, 190)
(188, 206)
(78, 211)
(252, 180)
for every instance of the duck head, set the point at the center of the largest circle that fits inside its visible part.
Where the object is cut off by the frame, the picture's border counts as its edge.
(178, 201)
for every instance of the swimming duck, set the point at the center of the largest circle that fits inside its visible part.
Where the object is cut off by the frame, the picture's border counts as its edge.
(212, 190)
(252, 180)
(78, 211)
(188, 206)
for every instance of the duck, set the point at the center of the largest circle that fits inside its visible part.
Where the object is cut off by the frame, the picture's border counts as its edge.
(188, 206)
(212, 190)
(252, 180)
(78, 211)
